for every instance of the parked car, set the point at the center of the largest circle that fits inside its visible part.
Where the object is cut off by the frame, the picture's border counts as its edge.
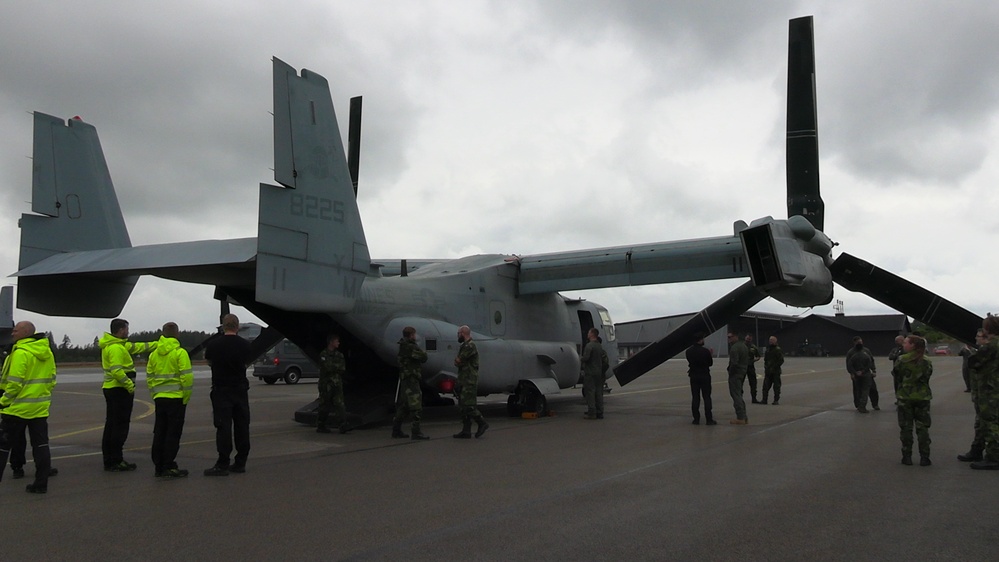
(285, 361)
(942, 349)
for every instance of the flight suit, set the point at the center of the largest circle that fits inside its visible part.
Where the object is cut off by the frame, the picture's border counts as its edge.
(773, 358)
(593, 379)
(754, 355)
(738, 364)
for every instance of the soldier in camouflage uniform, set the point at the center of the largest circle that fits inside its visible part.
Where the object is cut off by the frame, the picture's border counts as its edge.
(773, 358)
(974, 382)
(913, 372)
(467, 362)
(332, 368)
(987, 367)
(754, 356)
(410, 401)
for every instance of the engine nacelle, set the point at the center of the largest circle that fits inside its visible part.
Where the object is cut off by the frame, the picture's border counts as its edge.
(788, 260)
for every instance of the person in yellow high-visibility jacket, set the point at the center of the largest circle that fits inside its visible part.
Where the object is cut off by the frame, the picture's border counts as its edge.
(119, 391)
(170, 380)
(26, 382)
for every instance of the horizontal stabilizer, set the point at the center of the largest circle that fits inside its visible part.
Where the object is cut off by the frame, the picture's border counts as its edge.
(311, 250)
(908, 298)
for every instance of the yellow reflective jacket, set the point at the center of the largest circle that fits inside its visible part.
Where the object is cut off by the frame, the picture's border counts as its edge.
(27, 379)
(116, 359)
(168, 372)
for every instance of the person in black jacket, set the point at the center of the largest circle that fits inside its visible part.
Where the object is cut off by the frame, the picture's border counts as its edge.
(699, 363)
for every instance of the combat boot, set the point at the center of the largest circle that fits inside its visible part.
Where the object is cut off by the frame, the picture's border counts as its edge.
(466, 430)
(397, 431)
(985, 465)
(345, 428)
(482, 427)
(924, 461)
(907, 459)
(417, 434)
(975, 454)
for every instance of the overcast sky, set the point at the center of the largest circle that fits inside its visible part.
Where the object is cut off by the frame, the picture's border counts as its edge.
(528, 127)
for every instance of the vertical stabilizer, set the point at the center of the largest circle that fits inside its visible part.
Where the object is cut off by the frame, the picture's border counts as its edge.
(77, 210)
(311, 250)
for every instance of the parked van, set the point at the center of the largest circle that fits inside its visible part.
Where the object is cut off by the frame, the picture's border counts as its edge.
(285, 361)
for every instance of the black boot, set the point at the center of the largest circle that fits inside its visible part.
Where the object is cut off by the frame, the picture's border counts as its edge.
(924, 460)
(482, 427)
(466, 430)
(417, 434)
(907, 459)
(397, 431)
(975, 454)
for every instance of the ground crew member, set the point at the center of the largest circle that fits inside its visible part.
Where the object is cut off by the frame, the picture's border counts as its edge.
(754, 356)
(26, 382)
(987, 363)
(913, 372)
(860, 365)
(410, 399)
(773, 358)
(738, 364)
(593, 383)
(699, 362)
(170, 380)
(467, 362)
(119, 391)
(228, 357)
(974, 380)
(332, 368)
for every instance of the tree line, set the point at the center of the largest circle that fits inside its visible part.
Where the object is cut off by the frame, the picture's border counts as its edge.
(66, 352)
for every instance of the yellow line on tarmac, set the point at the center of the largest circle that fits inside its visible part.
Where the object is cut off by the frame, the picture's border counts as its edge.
(212, 440)
(150, 408)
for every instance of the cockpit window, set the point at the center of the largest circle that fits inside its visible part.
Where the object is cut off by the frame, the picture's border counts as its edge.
(608, 325)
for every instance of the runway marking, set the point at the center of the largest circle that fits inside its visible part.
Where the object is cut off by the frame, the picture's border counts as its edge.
(150, 408)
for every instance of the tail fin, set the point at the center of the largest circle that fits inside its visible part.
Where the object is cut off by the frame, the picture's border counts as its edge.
(78, 210)
(311, 250)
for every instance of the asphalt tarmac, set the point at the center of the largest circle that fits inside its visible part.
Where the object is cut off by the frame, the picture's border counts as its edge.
(810, 479)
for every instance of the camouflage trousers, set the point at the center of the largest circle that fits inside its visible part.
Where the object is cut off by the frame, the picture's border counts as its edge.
(978, 443)
(410, 403)
(988, 418)
(331, 402)
(467, 401)
(914, 413)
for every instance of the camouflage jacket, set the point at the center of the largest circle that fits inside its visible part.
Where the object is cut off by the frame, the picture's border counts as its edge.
(467, 362)
(410, 359)
(773, 359)
(332, 367)
(985, 365)
(913, 376)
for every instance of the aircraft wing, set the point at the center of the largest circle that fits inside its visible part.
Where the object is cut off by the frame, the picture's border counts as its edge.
(647, 264)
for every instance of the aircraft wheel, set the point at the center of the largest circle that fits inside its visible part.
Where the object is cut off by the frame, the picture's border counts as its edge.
(270, 380)
(292, 376)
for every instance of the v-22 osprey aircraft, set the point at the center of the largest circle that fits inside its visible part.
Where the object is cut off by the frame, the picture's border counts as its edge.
(309, 272)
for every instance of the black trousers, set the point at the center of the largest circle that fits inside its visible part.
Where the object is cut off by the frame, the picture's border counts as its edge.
(119, 412)
(231, 414)
(38, 432)
(167, 430)
(18, 443)
(700, 386)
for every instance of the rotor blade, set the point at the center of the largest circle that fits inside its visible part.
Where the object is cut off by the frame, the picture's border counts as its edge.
(803, 196)
(860, 276)
(708, 321)
(354, 140)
